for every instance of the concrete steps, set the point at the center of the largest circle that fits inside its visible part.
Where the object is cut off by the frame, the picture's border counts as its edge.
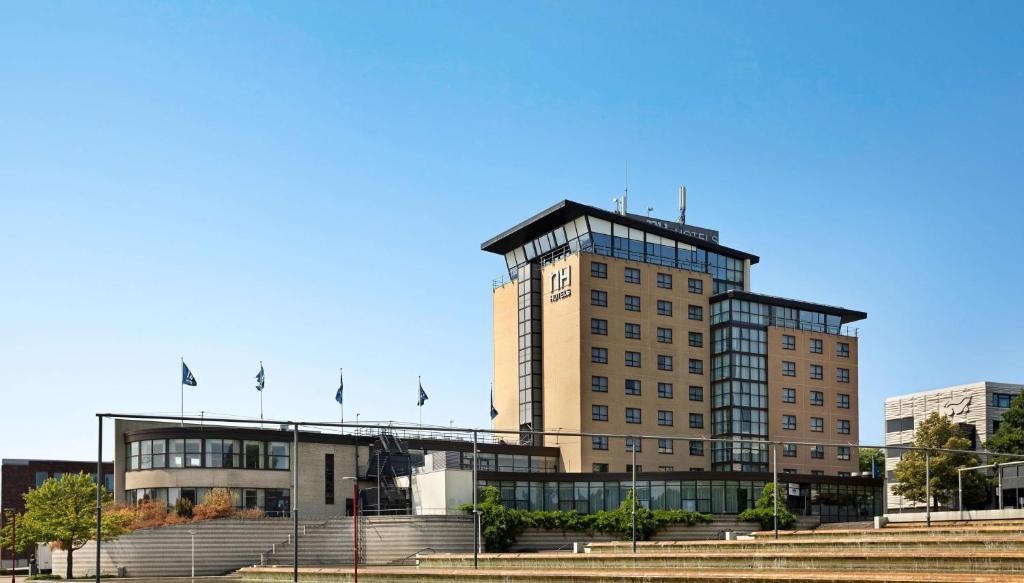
(432, 575)
(920, 561)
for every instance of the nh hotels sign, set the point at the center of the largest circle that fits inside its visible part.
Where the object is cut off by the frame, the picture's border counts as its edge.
(559, 281)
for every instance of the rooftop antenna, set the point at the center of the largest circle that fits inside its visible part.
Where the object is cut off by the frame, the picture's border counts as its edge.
(625, 188)
(682, 204)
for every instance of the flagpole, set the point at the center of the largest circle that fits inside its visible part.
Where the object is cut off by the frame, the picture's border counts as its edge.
(419, 401)
(182, 377)
(341, 405)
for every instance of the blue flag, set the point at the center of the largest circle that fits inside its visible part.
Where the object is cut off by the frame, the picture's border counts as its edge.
(339, 395)
(261, 380)
(423, 396)
(186, 376)
(494, 412)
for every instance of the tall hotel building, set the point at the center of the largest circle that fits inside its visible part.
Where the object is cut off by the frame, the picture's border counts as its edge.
(622, 324)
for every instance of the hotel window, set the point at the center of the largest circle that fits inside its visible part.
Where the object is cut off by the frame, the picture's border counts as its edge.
(818, 472)
(789, 395)
(696, 421)
(599, 442)
(41, 477)
(843, 401)
(843, 426)
(664, 308)
(817, 346)
(278, 458)
(629, 467)
(696, 393)
(665, 280)
(328, 478)
(632, 275)
(817, 424)
(666, 468)
(789, 470)
(789, 422)
(632, 331)
(599, 384)
(598, 298)
(995, 425)
(901, 424)
(844, 474)
(843, 375)
(222, 453)
(818, 452)
(696, 339)
(788, 450)
(632, 359)
(632, 304)
(696, 448)
(694, 286)
(788, 342)
(1001, 400)
(634, 444)
(842, 350)
(632, 387)
(632, 415)
(599, 468)
(599, 270)
(599, 355)
(665, 446)
(664, 362)
(695, 312)
(599, 412)
(665, 418)
(696, 366)
(599, 326)
(843, 452)
(788, 369)
(665, 390)
(817, 372)
(817, 399)
(665, 335)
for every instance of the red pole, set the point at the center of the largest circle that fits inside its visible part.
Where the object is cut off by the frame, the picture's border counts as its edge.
(355, 531)
(14, 545)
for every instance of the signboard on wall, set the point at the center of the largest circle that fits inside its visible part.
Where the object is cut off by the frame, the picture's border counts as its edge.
(559, 282)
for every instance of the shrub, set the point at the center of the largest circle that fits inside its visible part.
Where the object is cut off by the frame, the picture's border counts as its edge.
(763, 512)
(148, 514)
(250, 513)
(183, 508)
(500, 526)
(219, 503)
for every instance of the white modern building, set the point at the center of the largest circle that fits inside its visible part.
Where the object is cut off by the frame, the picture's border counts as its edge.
(976, 407)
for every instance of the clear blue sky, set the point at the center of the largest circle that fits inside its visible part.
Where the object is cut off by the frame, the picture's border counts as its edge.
(308, 185)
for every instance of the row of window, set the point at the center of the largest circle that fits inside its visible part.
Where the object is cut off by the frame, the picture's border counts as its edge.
(599, 298)
(273, 501)
(817, 424)
(599, 384)
(1002, 400)
(817, 398)
(632, 275)
(41, 477)
(696, 447)
(634, 415)
(817, 372)
(816, 346)
(599, 355)
(599, 327)
(208, 453)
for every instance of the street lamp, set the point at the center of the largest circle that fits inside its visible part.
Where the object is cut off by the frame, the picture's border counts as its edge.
(192, 534)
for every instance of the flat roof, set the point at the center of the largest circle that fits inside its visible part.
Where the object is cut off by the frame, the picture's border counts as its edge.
(986, 384)
(567, 210)
(845, 314)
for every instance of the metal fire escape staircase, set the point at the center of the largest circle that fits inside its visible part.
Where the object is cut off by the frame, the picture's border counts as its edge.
(389, 459)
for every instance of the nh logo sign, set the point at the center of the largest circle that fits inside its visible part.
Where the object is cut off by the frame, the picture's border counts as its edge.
(560, 280)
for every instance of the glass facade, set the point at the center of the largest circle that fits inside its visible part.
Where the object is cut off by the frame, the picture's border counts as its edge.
(149, 454)
(594, 235)
(832, 502)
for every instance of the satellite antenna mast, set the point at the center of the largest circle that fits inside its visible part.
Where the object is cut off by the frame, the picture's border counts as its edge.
(682, 204)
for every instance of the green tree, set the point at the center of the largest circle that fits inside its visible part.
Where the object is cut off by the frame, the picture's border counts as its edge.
(24, 535)
(1010, 436)
(937, 431)
(764, 510)
(64, 512)
(868, 454)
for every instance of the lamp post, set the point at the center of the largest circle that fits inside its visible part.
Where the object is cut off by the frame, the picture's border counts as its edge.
(14, 542)
(192, 535)
(633, 509)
